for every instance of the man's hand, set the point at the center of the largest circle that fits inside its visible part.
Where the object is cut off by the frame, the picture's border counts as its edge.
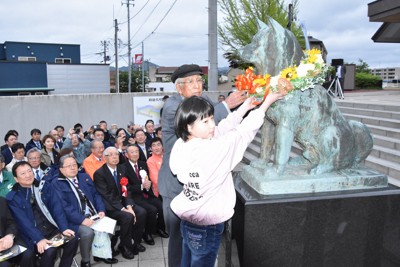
(101, 214)
(6, 242)
(130, 210)
(87, 222)
(235, 99)
(42, 245)
(147, 185)
(68, 232)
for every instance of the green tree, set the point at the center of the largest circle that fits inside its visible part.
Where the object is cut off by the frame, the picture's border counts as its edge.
(362, 66)
(136, 84)
(240, 23)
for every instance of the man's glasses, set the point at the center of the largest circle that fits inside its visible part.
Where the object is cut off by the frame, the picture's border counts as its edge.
(191, 82)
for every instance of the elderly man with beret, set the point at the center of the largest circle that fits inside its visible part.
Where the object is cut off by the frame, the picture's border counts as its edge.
(188, 82)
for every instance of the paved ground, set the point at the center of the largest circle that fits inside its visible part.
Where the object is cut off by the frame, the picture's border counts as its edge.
(383, 97)
(156, 256)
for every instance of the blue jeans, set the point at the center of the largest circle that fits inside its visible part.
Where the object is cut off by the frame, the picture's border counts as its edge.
(200, 244)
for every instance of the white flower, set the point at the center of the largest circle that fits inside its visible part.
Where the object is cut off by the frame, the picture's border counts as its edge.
(274, 81)
(319, 59)
(302, 69)
(259, 90)
(143, 174)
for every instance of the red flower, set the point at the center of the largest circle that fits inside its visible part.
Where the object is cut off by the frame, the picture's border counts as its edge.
(124, 181)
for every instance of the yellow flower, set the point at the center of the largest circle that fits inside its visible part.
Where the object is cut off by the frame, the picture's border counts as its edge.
(289, 73)
(312, 55)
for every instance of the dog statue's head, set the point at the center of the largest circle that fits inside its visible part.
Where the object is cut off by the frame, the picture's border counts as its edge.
(272, 49)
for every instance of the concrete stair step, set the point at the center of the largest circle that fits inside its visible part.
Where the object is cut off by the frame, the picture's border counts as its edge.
(388, 114)
(387, 142)
(390, 123)
(384, 131)
(368, 106)
(389, 168)
(386, 154)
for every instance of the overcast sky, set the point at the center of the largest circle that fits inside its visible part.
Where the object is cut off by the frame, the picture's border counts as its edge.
(181, 36)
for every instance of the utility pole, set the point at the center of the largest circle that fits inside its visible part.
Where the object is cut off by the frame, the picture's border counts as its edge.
(104, 53)
(212, 46)
(129, 47)
(290, 15)
(116, 57)
(142, 66)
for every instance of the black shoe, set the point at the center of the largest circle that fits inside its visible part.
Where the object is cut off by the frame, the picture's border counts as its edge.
(148, 239)
(126, 252)
(107, 261)
(85, 264)
(114, 252)
(138, 248)
(162, 233)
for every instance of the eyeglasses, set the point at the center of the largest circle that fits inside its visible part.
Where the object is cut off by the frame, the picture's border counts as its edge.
(34, 158)
(112, 154)
(191, 82)
(72, 166)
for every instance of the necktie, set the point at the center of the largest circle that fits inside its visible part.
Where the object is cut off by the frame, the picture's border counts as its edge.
(37, 175)
(116, 179)
(137, 172)
(38, 144)
(87, 207)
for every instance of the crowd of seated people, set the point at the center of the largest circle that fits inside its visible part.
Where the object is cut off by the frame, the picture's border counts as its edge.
(58, 184)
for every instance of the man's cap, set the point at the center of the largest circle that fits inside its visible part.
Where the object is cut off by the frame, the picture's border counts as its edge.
(186, 70)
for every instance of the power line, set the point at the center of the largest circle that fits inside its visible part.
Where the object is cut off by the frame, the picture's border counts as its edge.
(157, 24)
(151, 13)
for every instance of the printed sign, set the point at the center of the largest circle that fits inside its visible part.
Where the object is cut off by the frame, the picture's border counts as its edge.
(147, 108)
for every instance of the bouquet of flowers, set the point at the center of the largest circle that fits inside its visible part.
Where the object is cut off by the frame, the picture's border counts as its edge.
(311, 71)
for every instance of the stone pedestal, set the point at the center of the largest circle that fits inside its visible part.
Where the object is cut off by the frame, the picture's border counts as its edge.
(344, 228)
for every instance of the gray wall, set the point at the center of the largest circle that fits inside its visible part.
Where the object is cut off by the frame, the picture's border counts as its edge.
(23, 113)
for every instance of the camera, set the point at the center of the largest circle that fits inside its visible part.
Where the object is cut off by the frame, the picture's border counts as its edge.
(77, 130)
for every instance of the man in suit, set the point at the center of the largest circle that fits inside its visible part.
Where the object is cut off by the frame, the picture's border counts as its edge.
(150, 134)
(38, 167)
(9, 236)
(80, 201)
(10, 138)
(142, 193)
(35, 140)
(39, 217)
(188, 82)
(145, 151)
(60, 140)
(130, 217)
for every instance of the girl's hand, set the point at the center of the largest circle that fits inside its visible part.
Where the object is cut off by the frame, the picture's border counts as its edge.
(271, 98)
(247, 105)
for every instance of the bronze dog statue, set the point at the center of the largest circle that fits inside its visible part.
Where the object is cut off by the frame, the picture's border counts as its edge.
(310, 118)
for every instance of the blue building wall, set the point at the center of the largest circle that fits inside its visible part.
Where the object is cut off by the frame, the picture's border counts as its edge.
(10, 51)
(23, 75)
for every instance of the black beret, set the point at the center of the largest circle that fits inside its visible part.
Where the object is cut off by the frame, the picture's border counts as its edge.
(186, 70)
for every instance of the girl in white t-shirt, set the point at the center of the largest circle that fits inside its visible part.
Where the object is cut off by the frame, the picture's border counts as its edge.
(203, 158)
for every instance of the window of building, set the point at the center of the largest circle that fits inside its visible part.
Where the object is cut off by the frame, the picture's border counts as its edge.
(63, 60)
(24, 93)
(26, 58)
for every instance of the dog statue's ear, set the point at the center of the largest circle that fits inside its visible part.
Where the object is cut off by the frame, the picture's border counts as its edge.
(261, 25)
